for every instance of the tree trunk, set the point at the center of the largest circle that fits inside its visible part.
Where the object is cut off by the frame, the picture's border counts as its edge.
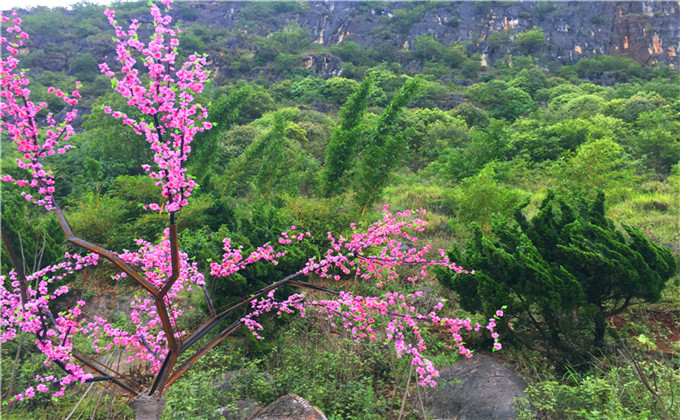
(600, 328)
(147, 407)
(14, 367)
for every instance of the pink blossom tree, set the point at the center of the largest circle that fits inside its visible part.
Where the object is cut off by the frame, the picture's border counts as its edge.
(157, 343)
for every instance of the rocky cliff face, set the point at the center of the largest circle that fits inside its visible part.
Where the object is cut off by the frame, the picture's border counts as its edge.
(647, 31)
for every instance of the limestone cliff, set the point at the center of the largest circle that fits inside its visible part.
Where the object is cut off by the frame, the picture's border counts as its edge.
(647, 31)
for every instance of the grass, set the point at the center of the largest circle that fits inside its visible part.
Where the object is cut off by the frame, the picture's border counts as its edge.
(653, 209)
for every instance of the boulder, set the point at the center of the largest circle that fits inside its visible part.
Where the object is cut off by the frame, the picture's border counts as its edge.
(239, 410)
(476, 388)
(289, 407)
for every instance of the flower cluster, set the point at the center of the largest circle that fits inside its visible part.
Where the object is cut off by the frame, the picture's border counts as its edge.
(377, 254)
(53, 333)
(144, 342)
(391, 242)
(392, 318)
(168, 99)
(233, 260)
(18, 118)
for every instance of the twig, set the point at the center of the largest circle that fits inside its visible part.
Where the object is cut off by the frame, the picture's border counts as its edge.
(641, 374)
(79, 401)
(422, 406)
(406, 393)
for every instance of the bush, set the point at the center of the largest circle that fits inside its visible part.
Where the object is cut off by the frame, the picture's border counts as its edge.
(531, 40)
(342, 382)
(338, 89)
(612, 391)
(307, 90)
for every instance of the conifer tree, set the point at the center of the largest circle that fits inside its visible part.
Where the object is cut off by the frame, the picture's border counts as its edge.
(566, 266)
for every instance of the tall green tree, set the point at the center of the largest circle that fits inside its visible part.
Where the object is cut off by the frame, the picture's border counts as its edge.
(384, 149)
(657, 140)
(342, 148)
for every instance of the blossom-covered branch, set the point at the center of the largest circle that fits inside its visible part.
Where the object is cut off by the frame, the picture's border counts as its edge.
(168, 100)
(18, 119)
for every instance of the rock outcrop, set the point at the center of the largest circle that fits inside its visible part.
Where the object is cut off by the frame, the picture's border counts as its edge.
(647, 31)
(476, 388)
(289, 407)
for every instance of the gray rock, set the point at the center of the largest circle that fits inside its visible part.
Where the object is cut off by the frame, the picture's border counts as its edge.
(474, 389)
(324, 65)
(147, 407)
(289, 407)
(240, 410)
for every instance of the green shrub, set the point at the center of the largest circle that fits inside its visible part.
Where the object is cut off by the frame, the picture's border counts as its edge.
(613, 391)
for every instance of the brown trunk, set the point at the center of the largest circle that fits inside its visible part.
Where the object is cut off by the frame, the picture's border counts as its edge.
(147, 407)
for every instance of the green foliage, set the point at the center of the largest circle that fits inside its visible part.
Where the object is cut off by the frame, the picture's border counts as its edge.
(284, 63)
(224, 114)
(383, 148)
(530, 80)
(498, 39)
(84, 67)
(44, 22)
(457, 163)
(428, 132)
(102, 220)
(622, 68)
(186, 12)
(531, 40)
(190, 44)
(480, 198)
(307, 90)
(614, 390)
(600, 164)
(504, 101)
(258, 102)
(116, 147)
(404, 18)
(473, 116)
(254, 11)
(199, 393)
(291, 40)
(566, 260)
(341, 381)
(428, 48)
(338, 89)
(582, 106)
(347, 51)
(657, 140)
(34, 236)
(272, 156)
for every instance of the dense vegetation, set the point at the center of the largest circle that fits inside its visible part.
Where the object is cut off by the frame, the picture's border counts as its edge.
(532, 173)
